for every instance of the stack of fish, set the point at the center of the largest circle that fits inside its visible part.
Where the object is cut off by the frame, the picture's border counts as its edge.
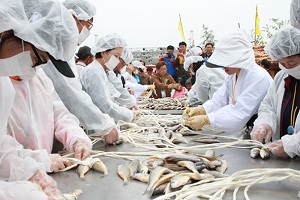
(163, 104)
(171, 172)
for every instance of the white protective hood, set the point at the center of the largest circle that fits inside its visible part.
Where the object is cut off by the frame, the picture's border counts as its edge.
(233, 50)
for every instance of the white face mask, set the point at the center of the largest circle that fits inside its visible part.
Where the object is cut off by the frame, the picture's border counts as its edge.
(85, 33)
(112, 62)
(294, 72)
(123, 69)
(18, 65)
(136, 71)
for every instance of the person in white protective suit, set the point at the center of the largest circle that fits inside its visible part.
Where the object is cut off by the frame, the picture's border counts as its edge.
(95, 77)
(208, 80)
(22, 171)
(295, 13)
(195, 51)
(78, 102)
(238, 99)
(17, 56)
(278, 113)
(132, 82)
(120, 94)
(37, 116)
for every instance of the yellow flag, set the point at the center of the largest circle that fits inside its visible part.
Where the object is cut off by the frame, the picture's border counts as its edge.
(180, 28)
(257, 29)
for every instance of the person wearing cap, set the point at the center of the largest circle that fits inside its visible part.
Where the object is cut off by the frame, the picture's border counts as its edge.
(95, 81)
(69, 89)
(278, 113)
(181, 74)
(169, 58)
(295, 13)
(29, 33)
(85, 57)
(132, 81)
(208, 80)
(238, 99)
(164, 83)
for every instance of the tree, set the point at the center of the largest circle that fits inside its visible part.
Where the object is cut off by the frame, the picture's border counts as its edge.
(259, 38)
(207, 36)
(277, 24)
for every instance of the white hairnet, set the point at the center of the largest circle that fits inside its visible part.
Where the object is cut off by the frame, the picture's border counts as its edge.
(83, 9)
(295, 13)
(137, 64)
(108, 42)
(195, 51)
(127, 56)
(284, 43)
(44, 23)
(189, 60)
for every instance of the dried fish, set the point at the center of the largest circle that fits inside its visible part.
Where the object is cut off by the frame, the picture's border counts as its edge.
(179, 180)
(254, 153)
(181, 157)
(82, 170)
(143, 168)
(160, 189)
(210, 153)
(124, 173)
(155, 175)
(158, 162)
(162, 180)
(141, 177)
(190, 165)
(264, 153)
(134, 166)
(223, 167)
(100, 166)
(73, 195)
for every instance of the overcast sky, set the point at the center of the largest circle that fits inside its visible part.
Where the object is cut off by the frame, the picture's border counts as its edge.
(153, 23)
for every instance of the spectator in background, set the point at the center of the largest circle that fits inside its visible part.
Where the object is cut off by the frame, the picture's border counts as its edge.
(144, 77)
(208, 51)
(169, 58)
(164, 83)
(266, 65)
(182, 75)
(149, 71)
(85, 57)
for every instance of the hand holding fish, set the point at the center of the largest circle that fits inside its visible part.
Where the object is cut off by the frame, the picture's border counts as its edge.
(58, 162)
(261, 132)
(112, 136)
(277, 149)
(197, 122)
(193, 111)
(81, 150)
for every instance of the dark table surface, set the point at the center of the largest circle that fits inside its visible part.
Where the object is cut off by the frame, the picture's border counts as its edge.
(95, 186)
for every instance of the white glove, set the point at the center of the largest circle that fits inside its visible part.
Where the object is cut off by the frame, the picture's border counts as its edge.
(261, 132)
(47, 184)
(150, 87)
(112, 136)
(81, 150)
(193, 111)
(277, 149)
(58, 162)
